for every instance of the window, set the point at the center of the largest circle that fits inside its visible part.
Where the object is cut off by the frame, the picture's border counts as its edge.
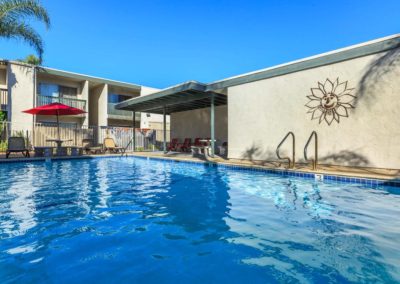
(67, 91)
(115, 98)
(3, 77)
(52, 90)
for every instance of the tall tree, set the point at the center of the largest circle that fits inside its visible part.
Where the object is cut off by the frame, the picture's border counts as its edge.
(14, 17)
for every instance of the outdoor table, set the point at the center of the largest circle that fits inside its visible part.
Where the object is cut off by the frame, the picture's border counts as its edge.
(197, 150)
(59, 142)
(208, 141)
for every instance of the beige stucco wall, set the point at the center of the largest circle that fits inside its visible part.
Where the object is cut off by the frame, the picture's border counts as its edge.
(20, 95)
(196, 123)
(98, 98)
(153, 121)
(144, 91)
(262, 112)
(85, 96)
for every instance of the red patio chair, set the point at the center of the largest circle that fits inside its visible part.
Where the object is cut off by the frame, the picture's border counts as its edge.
(197, 142)
(173, 145)
(185, 146)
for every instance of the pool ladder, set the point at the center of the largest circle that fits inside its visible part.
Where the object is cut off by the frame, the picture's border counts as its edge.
(314, 161)
(291, 162)
(126, 147)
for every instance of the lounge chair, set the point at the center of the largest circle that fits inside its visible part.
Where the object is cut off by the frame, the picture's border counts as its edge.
(109, 145)
(90, 148)
(17, 144)
(185, 146)
(173, 145)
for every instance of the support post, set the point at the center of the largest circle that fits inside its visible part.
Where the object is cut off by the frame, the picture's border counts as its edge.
(134, 131)
(212, 122)
(164, 130)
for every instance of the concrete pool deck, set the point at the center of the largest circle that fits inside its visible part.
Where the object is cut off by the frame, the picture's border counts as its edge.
(360, 172)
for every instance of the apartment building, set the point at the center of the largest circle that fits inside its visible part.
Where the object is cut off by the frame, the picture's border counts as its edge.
(23, 86)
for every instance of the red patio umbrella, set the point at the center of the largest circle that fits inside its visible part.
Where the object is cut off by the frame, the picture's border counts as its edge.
(56, 109)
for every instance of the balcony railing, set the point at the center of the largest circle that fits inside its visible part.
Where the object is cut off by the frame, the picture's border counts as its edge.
(120, 114)
(44, 100)
(3, 99)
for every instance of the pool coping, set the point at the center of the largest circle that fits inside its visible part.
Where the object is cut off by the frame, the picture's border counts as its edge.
(318, 176)
(287, 172)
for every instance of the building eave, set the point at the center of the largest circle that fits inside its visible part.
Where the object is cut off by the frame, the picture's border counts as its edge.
(339, 55)
(83, 77)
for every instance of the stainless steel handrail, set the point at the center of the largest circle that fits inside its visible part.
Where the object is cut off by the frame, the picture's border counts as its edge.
(315, 160)
(291, 162)
(127, 145)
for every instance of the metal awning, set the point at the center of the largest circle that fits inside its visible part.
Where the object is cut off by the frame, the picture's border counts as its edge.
(187, 96)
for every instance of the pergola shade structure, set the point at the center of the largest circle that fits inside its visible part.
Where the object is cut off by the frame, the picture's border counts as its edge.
(187, 96)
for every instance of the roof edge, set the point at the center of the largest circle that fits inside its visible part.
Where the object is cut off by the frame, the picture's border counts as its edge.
(186, 86)
(331, 57)
(74, 75)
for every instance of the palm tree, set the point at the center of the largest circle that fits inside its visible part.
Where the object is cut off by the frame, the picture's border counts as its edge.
(13, 21)
(31, 59)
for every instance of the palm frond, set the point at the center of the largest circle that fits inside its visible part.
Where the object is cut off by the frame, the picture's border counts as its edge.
(22, 31)
(13, 10)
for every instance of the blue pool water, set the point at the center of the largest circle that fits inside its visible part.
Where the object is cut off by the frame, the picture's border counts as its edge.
(144, 221)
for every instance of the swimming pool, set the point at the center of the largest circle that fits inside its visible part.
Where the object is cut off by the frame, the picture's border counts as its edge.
(146, 221)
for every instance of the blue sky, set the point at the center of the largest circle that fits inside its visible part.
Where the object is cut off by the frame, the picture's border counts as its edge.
(162, 43)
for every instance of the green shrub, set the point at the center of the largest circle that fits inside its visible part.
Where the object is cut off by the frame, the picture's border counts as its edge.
(3, 146)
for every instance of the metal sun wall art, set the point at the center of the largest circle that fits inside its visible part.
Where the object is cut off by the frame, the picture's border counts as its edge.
(330, 101)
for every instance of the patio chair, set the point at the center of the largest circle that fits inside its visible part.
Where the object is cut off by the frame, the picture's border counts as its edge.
(17, 144)
(185, 146)
(90, 148)
(197, 142)
(110, 146)
(173, 145)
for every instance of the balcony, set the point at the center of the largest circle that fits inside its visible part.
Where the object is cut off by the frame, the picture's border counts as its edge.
(120, 114)
(44, 100)
(3, 99)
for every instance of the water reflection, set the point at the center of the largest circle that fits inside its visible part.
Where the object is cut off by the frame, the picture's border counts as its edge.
(137, 215)
(17, 213)
(319, 237)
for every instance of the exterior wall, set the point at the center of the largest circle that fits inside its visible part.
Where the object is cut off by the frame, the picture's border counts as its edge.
(152, 121)
(147, 91)
(98, 105)
(85, 96)
(260, 114)
(196, 123)
(21, 93)
(159, 125)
